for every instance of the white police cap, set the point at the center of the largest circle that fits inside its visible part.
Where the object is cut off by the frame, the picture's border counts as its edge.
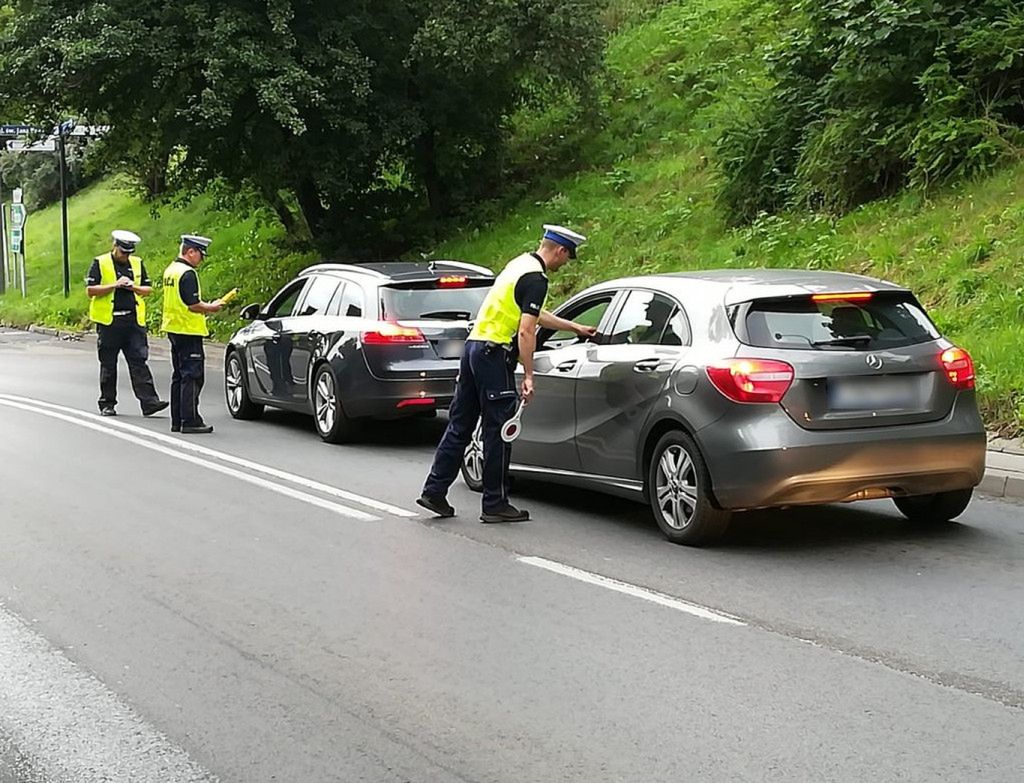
(126, 240)
(565, 237)
(201, 244)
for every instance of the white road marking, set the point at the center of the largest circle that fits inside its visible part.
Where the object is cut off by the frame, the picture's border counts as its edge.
(256, 467)
(69, 726)
(635, 591)
(295, 494)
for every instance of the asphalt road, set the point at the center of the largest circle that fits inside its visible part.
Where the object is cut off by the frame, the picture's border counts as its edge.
(277, 609)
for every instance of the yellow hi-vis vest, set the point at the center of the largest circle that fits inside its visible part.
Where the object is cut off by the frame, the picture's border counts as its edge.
(178, 319)
(101, 308)
(498, 319)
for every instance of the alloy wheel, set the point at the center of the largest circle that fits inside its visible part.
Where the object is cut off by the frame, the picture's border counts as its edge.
(233, 382)
(676, 487)
(474, 458)
(325, 402)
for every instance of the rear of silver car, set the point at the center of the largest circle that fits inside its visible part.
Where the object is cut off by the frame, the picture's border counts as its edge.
(840, 397)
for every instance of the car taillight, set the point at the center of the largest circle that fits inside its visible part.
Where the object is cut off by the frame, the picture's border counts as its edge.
(752, 380)
(393, 334)
(452, 281)
(856, 296)
(959, 368)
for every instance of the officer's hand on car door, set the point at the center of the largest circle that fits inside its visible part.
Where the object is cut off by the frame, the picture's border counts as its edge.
(585, 331)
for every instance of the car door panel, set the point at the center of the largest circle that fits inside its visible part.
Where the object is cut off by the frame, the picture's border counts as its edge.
(548, 421)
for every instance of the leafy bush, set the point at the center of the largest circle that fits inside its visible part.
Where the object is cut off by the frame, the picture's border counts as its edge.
(869, 96)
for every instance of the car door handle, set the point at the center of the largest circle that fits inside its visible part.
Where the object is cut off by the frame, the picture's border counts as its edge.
(566, 366)
(647, 365)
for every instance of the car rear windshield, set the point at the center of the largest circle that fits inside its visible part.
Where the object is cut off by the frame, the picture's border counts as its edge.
(428, 300)
(871, 323)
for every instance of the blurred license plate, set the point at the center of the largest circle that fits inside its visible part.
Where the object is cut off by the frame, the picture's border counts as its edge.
(450, 349)
(877, 393)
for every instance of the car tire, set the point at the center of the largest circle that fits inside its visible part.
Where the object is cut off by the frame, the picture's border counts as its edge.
(937, 508)
(332, 425)
(236, 390)
(473, 461)
(679, 492)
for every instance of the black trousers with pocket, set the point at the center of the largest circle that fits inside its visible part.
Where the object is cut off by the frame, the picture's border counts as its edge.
(188, 373)
(125, 336)
(486, 390)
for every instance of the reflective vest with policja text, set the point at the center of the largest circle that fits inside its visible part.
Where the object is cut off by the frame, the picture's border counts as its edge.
(101, 308)
(178, 319)
(498, 319)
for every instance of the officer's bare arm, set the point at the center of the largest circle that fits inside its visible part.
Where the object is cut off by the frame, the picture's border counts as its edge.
(206, 307)
(142, 290)
(527, 342)
(552, 321)
(100, 290)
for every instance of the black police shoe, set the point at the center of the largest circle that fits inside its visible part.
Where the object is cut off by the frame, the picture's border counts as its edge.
(507, 514)
(108, 411)
(439, 506)
(175, 428)
(156, 407)
(201, 429)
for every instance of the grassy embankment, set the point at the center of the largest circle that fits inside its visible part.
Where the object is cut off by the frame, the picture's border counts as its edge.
(643, 189)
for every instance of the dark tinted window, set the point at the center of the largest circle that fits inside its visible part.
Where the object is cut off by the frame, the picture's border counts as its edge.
(883, 321)
(645, 319)
(281, 306)
(587, 313)
(319, 295)
(427, 301)
(347, 301)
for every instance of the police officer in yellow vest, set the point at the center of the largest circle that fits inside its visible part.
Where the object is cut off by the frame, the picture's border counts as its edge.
(505, 329)
(117, 286)
(185, 323)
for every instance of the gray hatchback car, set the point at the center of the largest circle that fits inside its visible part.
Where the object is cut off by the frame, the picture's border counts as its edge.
(713, 392)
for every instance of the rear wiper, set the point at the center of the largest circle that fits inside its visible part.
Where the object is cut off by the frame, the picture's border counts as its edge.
(853, 339)
(461, 315)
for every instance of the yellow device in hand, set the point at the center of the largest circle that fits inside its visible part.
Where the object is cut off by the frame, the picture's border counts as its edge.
(229, 296)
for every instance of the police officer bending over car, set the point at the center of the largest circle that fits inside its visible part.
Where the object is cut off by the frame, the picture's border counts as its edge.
(505, 330)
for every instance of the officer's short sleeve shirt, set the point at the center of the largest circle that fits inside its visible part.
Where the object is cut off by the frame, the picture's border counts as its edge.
(531, 290)
(188, 288)
(124, 300)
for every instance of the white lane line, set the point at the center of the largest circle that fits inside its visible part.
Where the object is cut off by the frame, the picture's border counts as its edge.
(69, 726)
(295, 494)
(635, 591)
(256, 467)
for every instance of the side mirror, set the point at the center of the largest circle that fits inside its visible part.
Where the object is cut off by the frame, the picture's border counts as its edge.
(250, 312)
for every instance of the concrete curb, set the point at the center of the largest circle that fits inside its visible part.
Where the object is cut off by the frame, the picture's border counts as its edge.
(158, 346)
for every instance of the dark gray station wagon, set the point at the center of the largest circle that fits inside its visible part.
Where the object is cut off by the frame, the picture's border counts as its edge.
(709, 393)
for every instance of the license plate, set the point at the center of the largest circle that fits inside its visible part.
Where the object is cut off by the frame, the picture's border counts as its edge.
(892, 392)
(451, 349)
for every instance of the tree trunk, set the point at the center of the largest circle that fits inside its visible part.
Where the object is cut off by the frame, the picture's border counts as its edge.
(294, 225)
(437, 194)
(308, 196)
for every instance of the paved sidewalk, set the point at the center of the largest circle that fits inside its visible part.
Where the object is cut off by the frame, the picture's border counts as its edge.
(1004, 464)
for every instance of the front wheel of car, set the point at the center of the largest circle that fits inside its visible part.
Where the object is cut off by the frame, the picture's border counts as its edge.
(679, 491)
(236, 393)
(473, 460)
(940, 507)
(332, 424)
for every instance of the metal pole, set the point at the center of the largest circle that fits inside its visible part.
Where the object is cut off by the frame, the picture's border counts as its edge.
(3, 242)
(63, 214)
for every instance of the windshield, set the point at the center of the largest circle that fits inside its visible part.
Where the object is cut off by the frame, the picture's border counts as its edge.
(451, 304)
(877, 323)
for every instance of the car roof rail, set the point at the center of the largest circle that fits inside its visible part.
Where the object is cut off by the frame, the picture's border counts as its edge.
(354, 268)
(464, 265)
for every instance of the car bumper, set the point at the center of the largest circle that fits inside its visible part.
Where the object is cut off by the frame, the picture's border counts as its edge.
(769, 461)
(396, 399)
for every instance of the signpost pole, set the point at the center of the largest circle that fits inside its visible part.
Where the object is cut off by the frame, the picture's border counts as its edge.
(64, 213)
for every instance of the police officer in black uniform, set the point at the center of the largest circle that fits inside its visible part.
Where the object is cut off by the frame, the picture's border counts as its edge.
(117, 285)
(505, 330)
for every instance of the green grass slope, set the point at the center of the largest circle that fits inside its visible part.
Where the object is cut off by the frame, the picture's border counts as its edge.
(642, 187)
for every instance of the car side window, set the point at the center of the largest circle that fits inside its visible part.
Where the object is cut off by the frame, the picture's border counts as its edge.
(282, 305)
(319, 295)
(588, 313)
(349, 302)
(648, 318)
(678, 330)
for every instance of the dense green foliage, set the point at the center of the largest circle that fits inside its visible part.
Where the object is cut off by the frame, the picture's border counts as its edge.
(872, 95)
(344, 117)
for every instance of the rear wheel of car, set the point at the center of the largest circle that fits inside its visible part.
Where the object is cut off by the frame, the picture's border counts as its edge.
(679, 491)
(473, 461)
(940, 507)
(332, 424)
(236, 393)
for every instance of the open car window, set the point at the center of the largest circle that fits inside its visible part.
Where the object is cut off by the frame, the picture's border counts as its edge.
(588, 313)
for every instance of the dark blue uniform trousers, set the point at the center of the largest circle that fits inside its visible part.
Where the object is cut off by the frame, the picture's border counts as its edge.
(486, 388)
(125, 336)
(188, 372)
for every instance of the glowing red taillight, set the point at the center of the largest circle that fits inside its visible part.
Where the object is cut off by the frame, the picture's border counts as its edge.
(452, 281)
(856, 296)
(752, 380)
(959, 368)
(392, 334)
